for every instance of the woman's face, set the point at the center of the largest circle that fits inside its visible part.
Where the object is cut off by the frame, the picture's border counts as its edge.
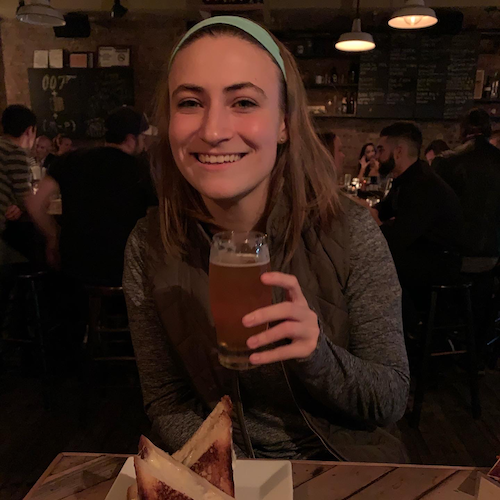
(369, 152)
(225, 116)
(338, 154)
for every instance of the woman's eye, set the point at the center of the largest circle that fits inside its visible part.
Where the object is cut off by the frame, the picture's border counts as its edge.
(188, 103)
(245, 104)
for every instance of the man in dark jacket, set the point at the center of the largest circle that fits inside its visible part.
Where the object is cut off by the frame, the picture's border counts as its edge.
(104, 191)
(473, 171)
(420, 217)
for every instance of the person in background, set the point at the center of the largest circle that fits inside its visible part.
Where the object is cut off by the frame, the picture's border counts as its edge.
(473, 171)
(368, 163)
(104, 192)
(495, 138)
(43, 147)
(238, 151)
(420, 218)
(19, 132)
(62, 145)
(19, 128)
(334, 145)
(435, 148)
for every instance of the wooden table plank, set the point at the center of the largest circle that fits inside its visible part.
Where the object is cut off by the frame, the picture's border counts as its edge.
(460, 486)
(340, 482)
(71, 461)
(44, 476)
(305, 471)
(97, 492)
(89, 476)
(404, 484)
(59, 487)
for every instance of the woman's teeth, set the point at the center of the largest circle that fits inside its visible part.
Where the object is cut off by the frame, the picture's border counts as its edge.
(218, 158)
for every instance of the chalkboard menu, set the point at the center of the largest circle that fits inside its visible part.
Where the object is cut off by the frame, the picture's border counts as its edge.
(77, 101)
(462, 66)
(400, 97)
(427, 76)
(374, 79)
(432, 76)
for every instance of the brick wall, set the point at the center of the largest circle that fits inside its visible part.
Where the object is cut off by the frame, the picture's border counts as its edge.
(355, 132)
(151, 38)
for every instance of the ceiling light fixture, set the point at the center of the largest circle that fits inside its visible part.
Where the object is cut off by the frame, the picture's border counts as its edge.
(414, 15)
(39, 12)
(118, 10)
(356, 40)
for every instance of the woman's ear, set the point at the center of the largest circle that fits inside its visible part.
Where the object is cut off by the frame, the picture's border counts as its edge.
(283, 132)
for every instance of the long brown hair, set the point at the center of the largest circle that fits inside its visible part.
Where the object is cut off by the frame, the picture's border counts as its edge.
(304, 171)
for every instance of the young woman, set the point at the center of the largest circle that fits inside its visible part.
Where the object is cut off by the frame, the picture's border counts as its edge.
(368, 164)
(237, 151)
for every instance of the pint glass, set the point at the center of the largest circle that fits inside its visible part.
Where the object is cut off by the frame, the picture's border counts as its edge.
(237, 260)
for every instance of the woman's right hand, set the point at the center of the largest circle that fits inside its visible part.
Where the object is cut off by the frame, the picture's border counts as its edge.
(363, 164)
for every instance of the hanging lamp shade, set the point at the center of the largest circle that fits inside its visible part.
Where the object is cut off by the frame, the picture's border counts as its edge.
(356, 40)
(414, 15)
(39, 12)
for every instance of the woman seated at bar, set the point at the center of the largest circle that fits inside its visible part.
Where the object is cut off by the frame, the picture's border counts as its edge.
(368, 164)
(237, 151)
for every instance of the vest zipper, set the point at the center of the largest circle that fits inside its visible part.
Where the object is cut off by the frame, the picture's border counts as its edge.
(339, 457)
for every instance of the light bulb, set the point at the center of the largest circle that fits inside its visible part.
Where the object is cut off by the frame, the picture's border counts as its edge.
(412, 20)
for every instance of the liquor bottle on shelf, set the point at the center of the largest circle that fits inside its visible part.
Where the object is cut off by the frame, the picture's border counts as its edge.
(309, 49)
(345, 104)
(352, 76)
(334, 77)
(350, 104)
(338, 107)
(494, 86)
(487, 89)
(331, 105)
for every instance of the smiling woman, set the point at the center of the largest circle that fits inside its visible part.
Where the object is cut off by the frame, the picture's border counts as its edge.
(238, 152)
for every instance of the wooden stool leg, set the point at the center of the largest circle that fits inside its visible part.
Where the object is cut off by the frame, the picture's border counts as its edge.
(89, 351)
(42, 351)
(424, 365)
(471, 349)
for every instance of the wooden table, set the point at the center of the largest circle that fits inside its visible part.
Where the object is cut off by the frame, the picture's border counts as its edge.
(89, 476)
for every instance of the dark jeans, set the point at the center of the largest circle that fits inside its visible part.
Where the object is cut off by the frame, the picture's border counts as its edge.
(417, 273)
(483, 309)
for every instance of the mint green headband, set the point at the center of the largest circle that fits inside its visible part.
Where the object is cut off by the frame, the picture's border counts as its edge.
(253, 29)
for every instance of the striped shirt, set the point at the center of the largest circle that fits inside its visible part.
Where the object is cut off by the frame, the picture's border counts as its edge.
(14, 177)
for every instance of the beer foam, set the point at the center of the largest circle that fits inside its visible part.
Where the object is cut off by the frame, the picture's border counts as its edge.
(240, 260)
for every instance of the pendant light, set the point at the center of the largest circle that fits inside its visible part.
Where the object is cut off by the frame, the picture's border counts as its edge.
(39, 12)
(356, 40)
(414, 15)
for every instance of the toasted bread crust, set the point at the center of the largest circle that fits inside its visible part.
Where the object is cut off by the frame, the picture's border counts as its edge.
(215, 462)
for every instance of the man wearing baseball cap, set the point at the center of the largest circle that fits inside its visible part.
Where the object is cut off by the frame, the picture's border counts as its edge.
(104, 192)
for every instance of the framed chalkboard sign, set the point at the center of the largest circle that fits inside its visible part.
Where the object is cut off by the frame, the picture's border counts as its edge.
(76, 101)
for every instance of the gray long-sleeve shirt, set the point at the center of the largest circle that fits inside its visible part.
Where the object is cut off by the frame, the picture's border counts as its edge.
(368, 382)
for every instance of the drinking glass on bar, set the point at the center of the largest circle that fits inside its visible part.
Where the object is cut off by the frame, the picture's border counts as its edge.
(237, 261)
(347, 180)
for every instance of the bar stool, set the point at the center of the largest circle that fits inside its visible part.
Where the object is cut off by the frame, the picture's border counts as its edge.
(106, 342)
(438, 294)
(107, 330)
(34, 325)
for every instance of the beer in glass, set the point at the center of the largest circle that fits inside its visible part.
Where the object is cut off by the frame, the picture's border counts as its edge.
(237, 260)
